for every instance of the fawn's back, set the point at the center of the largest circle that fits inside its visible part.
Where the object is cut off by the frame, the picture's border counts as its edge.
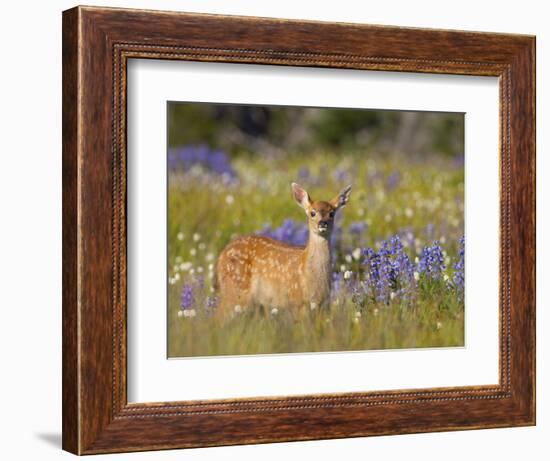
(257, 270)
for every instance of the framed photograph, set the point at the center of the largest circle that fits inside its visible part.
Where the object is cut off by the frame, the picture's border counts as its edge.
(284, 230)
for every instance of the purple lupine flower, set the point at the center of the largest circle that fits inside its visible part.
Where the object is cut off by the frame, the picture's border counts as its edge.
(187, 298)
(432, 262)
(214, 161)
(458, 276)
(211, 304)
(388, 271)
(357, 227)
(289, 232)
(304, 173)
(341, 175)
(393, 180)
(430, 231)
(337, 279)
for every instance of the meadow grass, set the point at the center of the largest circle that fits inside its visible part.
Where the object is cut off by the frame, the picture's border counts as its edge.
(420, 199)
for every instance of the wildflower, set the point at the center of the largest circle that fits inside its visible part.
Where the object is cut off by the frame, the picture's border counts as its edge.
(289, 232)
(274, 311)
(180, 313)
(229, 199)
(432, 261)
(238, 309)
(185, 266)
(180, 236)
(193, 251)
(393, 180)
(356, 254)
(210, 257)
(196, 237)
(189, 313)
(388, 270)
(408, 212)
(187, 299)
(458, 276)
(348, 258)
(312, 306)
(347, 275)
(211, 161)
(438, 325)
(357, 227)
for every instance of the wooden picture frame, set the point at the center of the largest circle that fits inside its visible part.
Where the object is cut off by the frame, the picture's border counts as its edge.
(97, 43)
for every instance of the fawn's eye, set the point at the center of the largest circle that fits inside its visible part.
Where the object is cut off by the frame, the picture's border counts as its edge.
(331, 214)
(312, 214)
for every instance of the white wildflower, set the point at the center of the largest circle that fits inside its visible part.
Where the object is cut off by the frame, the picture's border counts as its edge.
(348, 258)
(356, 254)
(193, 251)
(409, 212)
(180, 236)
(196, 237)
(445, 277)
(274, 311)
(210, 257)
(416, 275)
(189, 312)
(185, 266)
(357, 314)
(238, 308)
(180, 313)
(342, 268)
(348, 274)
(229, 199)
(392, 295)
(312, 306)
(200, 269)
(202, 246)
(375, 311)
(438, 325)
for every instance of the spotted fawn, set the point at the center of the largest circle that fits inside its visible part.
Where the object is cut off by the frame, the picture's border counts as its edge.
(255, 271)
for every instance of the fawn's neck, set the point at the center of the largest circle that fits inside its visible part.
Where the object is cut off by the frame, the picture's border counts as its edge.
(317, 272)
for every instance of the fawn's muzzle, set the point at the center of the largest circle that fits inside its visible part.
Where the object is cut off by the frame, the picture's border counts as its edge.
(323, 226)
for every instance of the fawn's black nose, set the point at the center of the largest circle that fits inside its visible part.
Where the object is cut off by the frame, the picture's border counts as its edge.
(323, 224)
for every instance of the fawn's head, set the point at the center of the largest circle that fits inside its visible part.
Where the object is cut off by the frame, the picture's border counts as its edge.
(320, 213)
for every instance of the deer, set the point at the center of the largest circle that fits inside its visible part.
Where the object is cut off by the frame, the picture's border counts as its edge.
(256, 271)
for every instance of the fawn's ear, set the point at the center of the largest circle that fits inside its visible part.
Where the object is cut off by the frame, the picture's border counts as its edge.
(342, 198)
(300, 195)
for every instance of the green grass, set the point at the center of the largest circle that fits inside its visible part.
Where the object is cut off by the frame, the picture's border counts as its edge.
(204, 214)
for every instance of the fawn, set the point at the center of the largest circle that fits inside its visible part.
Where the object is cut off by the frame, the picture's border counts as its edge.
(255, 271)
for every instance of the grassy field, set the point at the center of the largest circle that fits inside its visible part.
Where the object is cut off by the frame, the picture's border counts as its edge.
(398, 260)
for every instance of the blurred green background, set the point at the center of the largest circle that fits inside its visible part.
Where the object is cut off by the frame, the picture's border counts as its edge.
(274, 130)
